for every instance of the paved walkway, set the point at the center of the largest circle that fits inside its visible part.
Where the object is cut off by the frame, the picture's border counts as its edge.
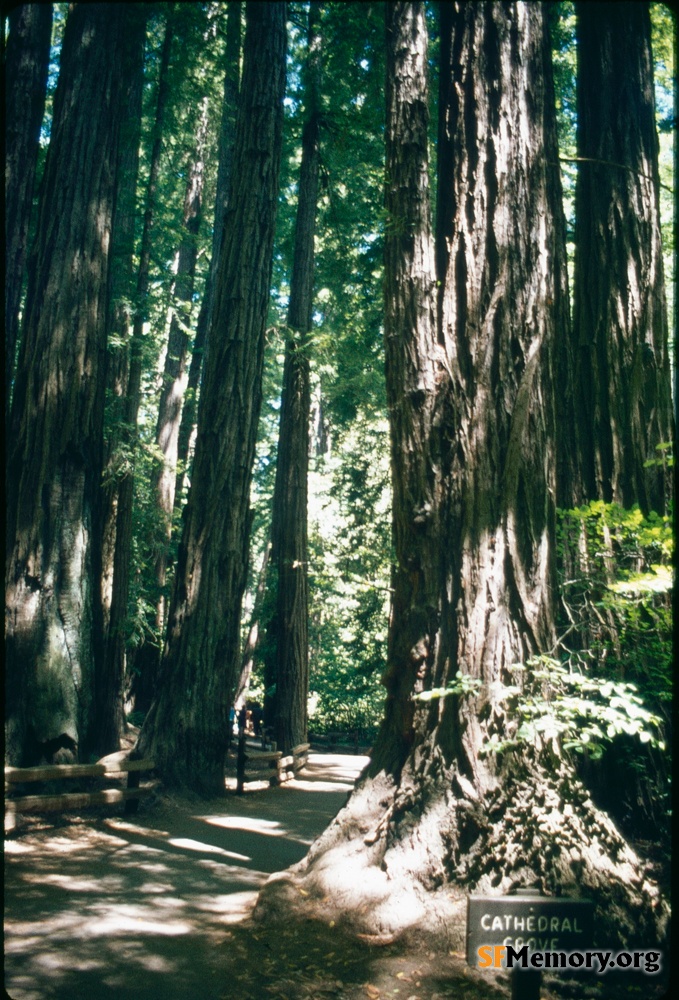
(140, 909)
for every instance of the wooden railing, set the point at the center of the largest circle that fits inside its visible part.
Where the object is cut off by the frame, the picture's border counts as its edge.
(252, 764)
(115, 765)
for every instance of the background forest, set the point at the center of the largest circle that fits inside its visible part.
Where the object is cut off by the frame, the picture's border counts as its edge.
(604, 692)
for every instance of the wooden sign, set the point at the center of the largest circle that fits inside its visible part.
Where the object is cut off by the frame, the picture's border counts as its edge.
(543, 923)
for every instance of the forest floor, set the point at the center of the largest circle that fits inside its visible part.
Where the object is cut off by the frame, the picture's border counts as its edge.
(159, 905)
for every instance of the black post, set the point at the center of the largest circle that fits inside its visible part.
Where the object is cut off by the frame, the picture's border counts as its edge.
(240, 763)
(526, 983)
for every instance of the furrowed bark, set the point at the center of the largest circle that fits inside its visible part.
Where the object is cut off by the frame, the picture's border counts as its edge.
(620, 338)
(26, 65)
(226, 140)
(175, 375)
(472, 413)
(112, 665)
(55, 460)
(289, 629)
(187, 726)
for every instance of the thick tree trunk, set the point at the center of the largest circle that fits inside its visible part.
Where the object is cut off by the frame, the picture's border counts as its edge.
(120, 500)
(55, 460)
(622, 376)
(26, 63)
(471, 401)
(175, 374)
(186, 729)
(226, 141)
(289, 628)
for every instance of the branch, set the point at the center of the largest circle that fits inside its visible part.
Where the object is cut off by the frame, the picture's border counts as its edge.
(611, 163)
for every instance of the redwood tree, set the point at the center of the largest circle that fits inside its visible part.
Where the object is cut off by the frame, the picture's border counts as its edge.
(288, 632)
(186, 729)
(175, 373)
(26, 63)
(55, 456)
(622, 391)
(119, 495)
(470, 380)
(225, 158)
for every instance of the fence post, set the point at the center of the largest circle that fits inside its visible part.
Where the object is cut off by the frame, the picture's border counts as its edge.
(240, 763)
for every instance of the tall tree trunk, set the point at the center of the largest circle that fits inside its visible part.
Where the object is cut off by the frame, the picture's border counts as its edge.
(26, 64)
(622, 378)
(226, 140)
(123, 283)
(55, 461)
(289, 629)
(175, 375)
(471, 402)
(112, 665)
(186, 729)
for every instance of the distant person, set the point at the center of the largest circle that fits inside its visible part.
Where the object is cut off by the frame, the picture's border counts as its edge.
(257, 718)
(242, 719)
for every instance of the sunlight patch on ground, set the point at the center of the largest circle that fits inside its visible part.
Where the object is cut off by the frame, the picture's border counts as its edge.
(138, 920)
(14, 847)
(195, 845)
(250, 786)
(114, 919)
(70, 884)
(155, 888)
(142, 831)
(231, 908)
(314, 785)
(268, 827)
(251, 876)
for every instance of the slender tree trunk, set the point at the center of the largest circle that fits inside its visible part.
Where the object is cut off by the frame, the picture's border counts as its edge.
(175, 375)
(289, 629)
(123, 283)
(26, 64)
(622, 376)
(252, 638)
(55, 461)
(226, 141)
(112, 666)
(472, 412)
(186, 729)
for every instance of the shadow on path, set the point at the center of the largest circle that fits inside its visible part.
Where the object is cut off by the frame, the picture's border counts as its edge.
(110, 907)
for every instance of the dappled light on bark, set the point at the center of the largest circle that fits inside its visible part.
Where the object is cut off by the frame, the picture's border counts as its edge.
(472, 413)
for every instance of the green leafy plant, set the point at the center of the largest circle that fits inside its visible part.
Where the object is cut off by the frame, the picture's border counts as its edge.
(583, 712)
(462, 684)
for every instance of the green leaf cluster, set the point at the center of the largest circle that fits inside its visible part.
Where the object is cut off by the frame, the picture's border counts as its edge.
(583, 712)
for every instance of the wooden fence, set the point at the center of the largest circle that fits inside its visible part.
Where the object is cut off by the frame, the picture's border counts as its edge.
(115, 765)
(253, 765)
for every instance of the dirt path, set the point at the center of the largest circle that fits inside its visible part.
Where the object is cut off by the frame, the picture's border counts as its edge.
(157, 906)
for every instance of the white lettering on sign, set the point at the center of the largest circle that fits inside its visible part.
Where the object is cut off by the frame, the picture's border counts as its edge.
(534, 943)
(512, 922)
